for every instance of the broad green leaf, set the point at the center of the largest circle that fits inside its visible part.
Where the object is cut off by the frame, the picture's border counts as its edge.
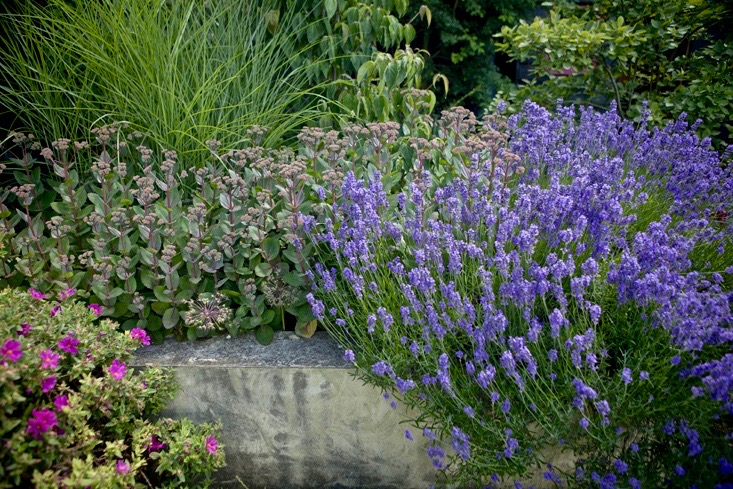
(331, 7)
(171, 318)
(264, 335)
(268, 316)
(306, 329)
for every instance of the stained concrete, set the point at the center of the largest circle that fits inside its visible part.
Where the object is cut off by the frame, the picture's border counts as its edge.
(293, 415)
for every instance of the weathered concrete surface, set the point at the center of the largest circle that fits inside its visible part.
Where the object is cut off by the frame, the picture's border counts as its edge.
(293, 415)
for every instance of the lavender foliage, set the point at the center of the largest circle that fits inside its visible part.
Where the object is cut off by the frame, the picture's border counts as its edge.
(532, 287)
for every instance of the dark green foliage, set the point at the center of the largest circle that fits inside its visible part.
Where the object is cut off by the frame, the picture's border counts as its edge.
(460, 42)
(676, 55)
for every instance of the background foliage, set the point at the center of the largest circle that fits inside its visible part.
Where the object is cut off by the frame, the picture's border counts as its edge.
(677, 55)
(188, 72)
(460, 41)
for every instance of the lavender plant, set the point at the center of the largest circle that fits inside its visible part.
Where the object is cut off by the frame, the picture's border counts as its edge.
(565, 283)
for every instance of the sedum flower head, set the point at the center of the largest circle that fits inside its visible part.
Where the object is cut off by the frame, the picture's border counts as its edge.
(208, 312)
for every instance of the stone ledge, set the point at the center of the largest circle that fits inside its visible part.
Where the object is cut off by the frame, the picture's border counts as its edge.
(287, 350)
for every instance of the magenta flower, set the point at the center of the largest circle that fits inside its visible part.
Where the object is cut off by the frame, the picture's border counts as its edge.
(60, 402)
(40, 422)
(25, 328)
(96, 309)
(12, 350)
(48, 383)
(69, 344)
(55, 310)
(211, 444)
(36, 294)
(117, 370)
(65, 294)
(123, 467)
(155, 444)
(49, 359)
(140, 334)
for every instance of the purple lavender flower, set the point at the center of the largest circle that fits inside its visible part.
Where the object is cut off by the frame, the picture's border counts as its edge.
(381, 368)
(620, 466)
(349, 356)
(626, 376)
(459, 441)
(408, 435)
(404, 385)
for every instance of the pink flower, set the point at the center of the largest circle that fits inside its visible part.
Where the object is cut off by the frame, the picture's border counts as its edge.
(12, 350)
(123, 467)
(211, 444)
(140, 334)
(40, 422)
(48, 383)
(36, 294)
(60, 402)
(49, 359)
(25, 328)
(96, 309)
(155, 444)
(69, 344)
(117, 370)
(65, 294)
(55, 310)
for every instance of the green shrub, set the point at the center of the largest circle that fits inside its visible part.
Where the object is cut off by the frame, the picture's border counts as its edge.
(73, 415)
(189, 72)
(675, 55)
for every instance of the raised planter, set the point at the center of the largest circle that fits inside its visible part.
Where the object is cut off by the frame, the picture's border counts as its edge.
(293, 414)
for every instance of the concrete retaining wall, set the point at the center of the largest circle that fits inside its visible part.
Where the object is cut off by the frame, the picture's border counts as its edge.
(293, 414)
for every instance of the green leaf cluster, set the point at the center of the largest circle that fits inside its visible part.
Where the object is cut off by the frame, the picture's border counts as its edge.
(676, 56)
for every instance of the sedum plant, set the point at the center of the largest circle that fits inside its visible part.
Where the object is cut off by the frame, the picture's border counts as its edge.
(222, 256)
(72, 414)
(568, 286)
